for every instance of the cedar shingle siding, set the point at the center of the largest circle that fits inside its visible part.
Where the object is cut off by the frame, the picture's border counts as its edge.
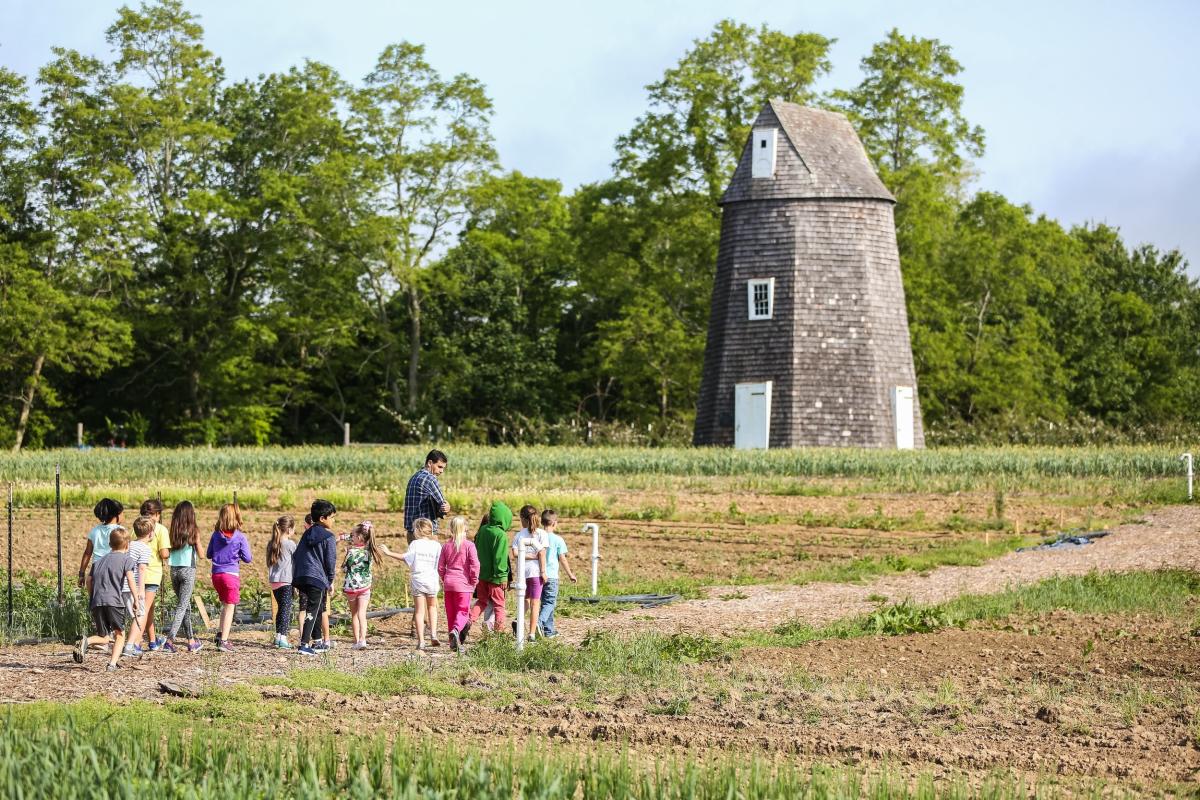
(838, 341)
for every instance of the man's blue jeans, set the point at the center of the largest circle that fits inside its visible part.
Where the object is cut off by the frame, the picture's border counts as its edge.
(549, 601)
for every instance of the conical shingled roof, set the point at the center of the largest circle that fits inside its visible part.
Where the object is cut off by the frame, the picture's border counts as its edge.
(819, 155)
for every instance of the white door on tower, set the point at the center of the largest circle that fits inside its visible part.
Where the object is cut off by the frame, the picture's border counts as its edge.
(752, 416)
(902, 412)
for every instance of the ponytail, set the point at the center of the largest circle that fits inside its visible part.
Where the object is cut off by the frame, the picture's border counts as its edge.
(282, 527)
(367, 531)
(529, 517)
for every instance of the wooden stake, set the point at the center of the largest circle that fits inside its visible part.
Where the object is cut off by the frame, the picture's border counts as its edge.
(208, 626)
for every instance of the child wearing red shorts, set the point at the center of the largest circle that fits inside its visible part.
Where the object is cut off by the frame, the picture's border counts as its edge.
(227, 549)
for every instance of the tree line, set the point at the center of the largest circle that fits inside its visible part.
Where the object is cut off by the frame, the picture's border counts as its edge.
(186, 259)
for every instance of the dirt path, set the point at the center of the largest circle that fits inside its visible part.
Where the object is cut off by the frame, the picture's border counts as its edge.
(1167, 538)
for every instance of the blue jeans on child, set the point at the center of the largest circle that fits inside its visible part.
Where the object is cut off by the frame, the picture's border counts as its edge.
(546, 615)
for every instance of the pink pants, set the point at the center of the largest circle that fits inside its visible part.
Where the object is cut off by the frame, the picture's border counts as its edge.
(489, 593)
(458, 609)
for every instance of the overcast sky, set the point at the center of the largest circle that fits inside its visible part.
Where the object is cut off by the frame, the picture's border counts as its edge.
(1090, 108)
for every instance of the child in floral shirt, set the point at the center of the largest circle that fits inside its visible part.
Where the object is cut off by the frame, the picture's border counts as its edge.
(357, 586)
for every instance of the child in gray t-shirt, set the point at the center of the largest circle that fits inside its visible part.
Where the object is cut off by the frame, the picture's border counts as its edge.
(110, 575)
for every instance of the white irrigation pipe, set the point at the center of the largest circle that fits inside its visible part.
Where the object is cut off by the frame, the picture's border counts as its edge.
(1188, 458)
(595, 553)
(520, 595)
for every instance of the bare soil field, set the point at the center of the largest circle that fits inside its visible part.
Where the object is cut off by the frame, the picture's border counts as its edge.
(1082, 697)
(710, 537)
(1170, 538)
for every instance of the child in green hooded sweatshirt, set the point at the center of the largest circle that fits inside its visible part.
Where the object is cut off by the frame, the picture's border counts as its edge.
(492, 545)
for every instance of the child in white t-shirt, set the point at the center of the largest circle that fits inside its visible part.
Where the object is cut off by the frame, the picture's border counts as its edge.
(534, 541)
(422, 558)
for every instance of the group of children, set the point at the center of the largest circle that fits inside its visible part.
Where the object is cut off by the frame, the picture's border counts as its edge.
(126, 573)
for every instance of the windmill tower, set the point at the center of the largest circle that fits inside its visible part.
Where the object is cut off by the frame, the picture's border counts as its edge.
(808, 340)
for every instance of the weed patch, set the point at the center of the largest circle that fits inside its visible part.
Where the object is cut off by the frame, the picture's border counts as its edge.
(1162, 593)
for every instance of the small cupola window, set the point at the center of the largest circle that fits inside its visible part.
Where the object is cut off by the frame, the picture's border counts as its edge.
(760, 295)
(763, 158)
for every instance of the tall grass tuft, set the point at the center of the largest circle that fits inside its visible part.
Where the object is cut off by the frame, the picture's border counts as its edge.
(37, 614)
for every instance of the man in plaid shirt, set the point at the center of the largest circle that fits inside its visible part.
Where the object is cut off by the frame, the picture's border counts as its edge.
(423, 498)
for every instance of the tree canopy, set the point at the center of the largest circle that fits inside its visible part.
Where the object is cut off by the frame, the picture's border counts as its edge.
(187, 259)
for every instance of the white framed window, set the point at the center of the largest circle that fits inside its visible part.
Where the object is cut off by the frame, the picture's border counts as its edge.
(760, 297)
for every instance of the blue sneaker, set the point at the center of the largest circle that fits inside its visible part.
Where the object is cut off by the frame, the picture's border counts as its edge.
(157, 644)
(132, 650)
(305, 650)
(168, 647)
(320, 647)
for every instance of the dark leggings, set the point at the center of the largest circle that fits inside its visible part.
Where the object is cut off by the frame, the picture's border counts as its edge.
(314, 600)
(283, 605)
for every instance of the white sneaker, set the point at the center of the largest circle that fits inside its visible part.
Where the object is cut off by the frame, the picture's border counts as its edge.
(359, 646)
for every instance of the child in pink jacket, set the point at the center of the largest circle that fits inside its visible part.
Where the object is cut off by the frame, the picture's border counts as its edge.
(458, 568)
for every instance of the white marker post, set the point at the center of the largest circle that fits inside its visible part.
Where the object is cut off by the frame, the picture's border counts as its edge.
(1188, 458)
(520, 596)
(595, 554)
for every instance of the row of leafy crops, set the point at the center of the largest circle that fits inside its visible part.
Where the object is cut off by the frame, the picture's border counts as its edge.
(384, 467)
(95, 751)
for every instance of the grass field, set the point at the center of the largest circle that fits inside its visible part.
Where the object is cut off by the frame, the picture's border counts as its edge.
(84, 751)
(382, 467)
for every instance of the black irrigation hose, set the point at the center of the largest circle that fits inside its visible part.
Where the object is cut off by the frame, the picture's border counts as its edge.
(643, 600)
(247, 622)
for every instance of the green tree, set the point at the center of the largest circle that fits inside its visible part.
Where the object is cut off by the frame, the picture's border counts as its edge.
(908, 108)
(164, 108)
(499, 300)
(428, 142)
(908, 112)
(290, 180)
(1132, 359)
(701, 109)
(64, 234)
(997, 363)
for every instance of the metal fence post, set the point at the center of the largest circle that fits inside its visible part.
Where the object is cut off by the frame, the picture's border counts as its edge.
(595, 554)
(1188, 458)
(521, 597)
(58, 526)
(10, 575)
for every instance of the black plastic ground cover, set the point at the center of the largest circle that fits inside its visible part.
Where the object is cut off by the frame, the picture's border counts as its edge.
(643, 600)
(247, 622)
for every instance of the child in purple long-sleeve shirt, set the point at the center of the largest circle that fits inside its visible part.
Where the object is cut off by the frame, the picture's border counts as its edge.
(227, 548)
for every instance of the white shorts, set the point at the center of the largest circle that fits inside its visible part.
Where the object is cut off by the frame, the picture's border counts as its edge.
(427, 587)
